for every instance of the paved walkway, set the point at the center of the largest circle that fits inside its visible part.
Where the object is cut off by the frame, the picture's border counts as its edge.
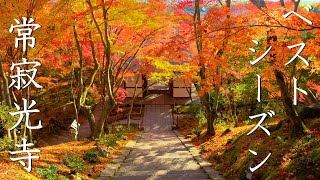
(157, 118)
(159, 153)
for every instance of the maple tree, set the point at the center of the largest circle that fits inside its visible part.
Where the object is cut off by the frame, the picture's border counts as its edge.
(222, 49)
(88, 48)
(125, 35)
(278, 58)
(11, 54)
(110, 40)
(207, 51)
(209, 46)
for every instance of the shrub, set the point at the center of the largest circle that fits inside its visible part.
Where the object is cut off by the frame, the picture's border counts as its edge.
(201, 118)
(203, 148)
(91, 156)
(50, 173)
(196, 131)
(74, 162)
(109, 140)
(6, 120)
(119, 131)
(248, 122)
(6, 144)
(191, 109)
(223, 122)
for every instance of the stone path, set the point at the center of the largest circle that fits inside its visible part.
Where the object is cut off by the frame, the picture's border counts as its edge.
(157, 118)
(160, 153)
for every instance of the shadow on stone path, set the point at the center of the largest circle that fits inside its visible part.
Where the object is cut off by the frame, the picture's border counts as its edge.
(159, 153)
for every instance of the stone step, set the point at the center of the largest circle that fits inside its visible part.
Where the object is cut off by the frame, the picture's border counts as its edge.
(166, 174)
(191, 166)
(184, 176)
(141, 177)
(165, 177)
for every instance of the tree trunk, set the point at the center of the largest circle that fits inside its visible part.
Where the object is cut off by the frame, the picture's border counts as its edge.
(15, 136)
(99, 126)
(5, 89)
(30, 137)
(311, 97)
(296, 122)
(234, 105)
(96, 126)
(9, 133)
(1, 92)
(210, 118)
(205, 101)
(91, 119)
(7, 98)
(211, 109)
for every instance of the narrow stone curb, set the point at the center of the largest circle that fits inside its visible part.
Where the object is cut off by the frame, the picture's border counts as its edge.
(204, 164)
(114, 166)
